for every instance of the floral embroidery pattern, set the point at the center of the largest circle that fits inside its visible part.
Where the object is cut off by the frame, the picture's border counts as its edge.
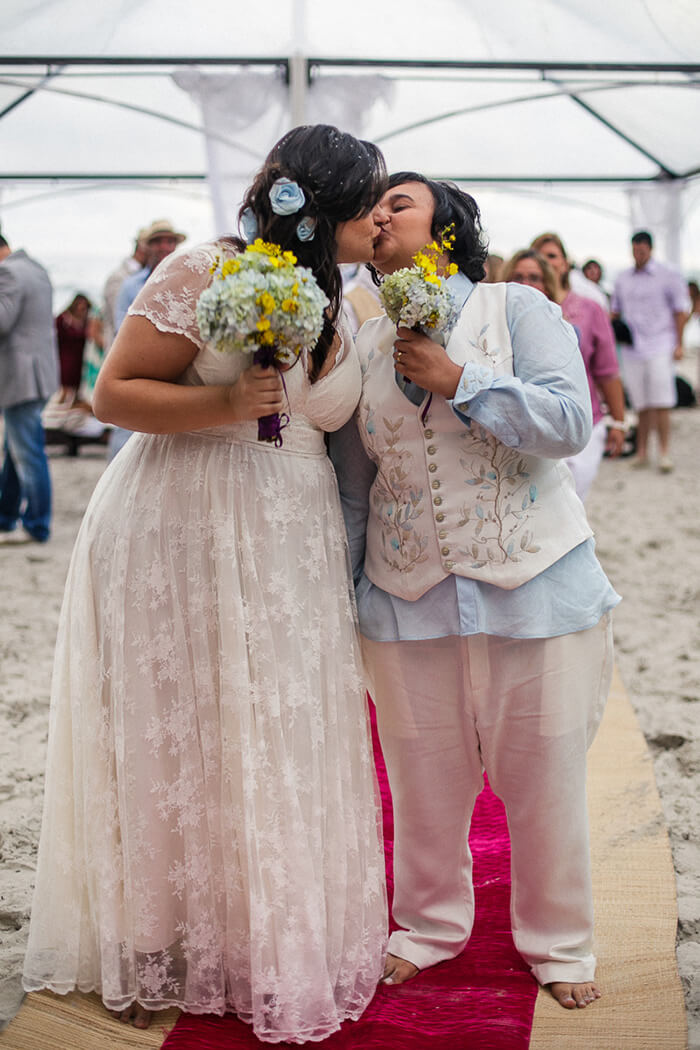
(481, 343)
(396, 501)
(504, 505)
(475, 378)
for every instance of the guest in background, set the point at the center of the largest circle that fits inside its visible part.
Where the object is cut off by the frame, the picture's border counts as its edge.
(131, 265)
(28, 376)
(592, 271)
(653, 300)
(529, 267)
(159, 239)
(71, 331)
(594, 274)
(360, 298)
(691, 332)
(493, 267)
(597, 344)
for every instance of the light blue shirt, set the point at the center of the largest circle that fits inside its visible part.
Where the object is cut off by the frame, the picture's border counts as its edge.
(539, 410)
(130, 288)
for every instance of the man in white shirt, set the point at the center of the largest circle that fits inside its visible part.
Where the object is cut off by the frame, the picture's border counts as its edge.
(653, 301)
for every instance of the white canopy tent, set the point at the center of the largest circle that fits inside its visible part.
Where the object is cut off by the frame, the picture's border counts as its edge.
(556, 114)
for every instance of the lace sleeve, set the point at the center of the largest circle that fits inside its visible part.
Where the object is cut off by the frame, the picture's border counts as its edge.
(169, 296)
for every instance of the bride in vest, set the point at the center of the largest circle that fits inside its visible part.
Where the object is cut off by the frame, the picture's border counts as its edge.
(484, 612)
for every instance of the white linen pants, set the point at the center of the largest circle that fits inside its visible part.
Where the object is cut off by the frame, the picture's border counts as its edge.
(526, 711)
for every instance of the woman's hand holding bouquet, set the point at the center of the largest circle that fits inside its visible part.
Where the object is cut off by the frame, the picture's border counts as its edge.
(261, 303)
(418, 301)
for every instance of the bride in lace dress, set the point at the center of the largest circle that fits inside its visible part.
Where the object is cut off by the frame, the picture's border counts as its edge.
(210, 834)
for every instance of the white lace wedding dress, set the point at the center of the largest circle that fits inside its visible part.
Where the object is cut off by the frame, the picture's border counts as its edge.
(210, 836)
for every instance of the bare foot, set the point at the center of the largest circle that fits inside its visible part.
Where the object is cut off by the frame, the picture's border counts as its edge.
(571, 996)
(396, 970)
(136, 1014)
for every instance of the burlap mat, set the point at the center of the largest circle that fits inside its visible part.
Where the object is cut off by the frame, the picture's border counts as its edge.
(642, 1006)
(78, 1022)
(635, 901)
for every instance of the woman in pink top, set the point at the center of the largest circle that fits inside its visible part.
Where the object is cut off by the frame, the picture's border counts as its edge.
(597, 343)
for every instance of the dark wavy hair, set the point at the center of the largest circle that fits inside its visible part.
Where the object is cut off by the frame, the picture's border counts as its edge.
(342, 178)
(454, 206)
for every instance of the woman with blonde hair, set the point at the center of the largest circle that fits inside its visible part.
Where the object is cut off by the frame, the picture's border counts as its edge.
(529, 267)
(597, 344)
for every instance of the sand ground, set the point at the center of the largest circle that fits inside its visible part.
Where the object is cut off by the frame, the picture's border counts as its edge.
(648, 533)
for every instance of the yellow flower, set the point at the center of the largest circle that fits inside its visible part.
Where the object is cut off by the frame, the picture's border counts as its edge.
(230, 266)
(267, 302)
(267, 338)
(431, 278)
(263, 324)
(290, 306)
(452, 269)
(425, 262)
(264, 248)
(290, 257)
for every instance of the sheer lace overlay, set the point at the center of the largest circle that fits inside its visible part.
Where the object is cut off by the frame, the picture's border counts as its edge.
(210, 835)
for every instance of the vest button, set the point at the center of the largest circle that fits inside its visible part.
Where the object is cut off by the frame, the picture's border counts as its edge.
(427, 434)
(449, 565)
(432, 467)
(440, 516)
(431, 450)
(443, 532)
(435, 484)
(437, 500)
(444, 550)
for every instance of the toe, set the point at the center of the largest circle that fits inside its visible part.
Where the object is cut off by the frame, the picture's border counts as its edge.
(142, 1018)
(561, 991)
(397, 970)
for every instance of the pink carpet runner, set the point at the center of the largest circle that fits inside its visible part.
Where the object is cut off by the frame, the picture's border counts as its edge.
(483, 1000)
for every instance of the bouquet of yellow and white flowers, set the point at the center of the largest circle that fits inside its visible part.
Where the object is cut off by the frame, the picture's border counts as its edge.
(417, 296)
(261, 302)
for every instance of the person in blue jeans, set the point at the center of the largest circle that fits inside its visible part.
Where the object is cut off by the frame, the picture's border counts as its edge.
(28, 377)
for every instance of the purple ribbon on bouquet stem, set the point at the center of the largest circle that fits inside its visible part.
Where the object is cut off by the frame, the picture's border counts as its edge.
(270, 427)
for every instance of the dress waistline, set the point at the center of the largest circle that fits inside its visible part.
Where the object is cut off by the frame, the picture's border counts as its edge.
(298, 439)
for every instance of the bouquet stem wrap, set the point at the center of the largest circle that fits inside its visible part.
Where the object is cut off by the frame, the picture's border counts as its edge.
(270, 427)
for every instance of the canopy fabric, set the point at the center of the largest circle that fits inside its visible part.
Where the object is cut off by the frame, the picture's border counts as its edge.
(510, 93)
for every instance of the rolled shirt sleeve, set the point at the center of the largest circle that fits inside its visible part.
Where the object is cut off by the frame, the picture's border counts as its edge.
(544, 408)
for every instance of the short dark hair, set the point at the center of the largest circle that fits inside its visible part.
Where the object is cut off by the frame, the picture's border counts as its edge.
(642, 237)
(454, 207)
(3, 242)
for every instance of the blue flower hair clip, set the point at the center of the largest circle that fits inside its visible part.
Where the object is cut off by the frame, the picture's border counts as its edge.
(249, 225)
(306, 228)
(286, 197)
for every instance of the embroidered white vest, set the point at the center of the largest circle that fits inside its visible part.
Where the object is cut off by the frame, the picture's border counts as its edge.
(450, 498)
